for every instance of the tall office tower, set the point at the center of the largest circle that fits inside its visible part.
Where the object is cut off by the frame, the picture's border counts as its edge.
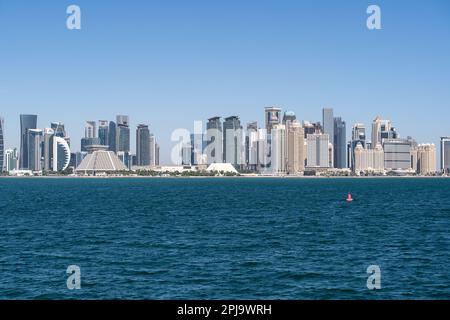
(48, 138)
(328, 123)
(153, 155)
(381, 129)
(214, 138)
(318, 151)
(61, 154)
(233, 141)
(112, 137)
(426, 159)
(186, 150)
(156, 154)
(90, 129)
(103, 132)
(272, 117)
(251, 146)
(359, 133)
(58, 129)
(123, 134)
(142, 145)
(289, 116)
(312, 128)
(11, 160)
(34, 144)
(122, 119)
(445, 155)
(397, 154)
(90, 136)
(2, 144)
(197, 148)
(27, 122)
(278, 149)
(264, 152)
(358, 136)
(340, 143)
(295, 147)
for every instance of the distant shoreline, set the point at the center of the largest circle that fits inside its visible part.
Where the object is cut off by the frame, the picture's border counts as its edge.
(225, 177)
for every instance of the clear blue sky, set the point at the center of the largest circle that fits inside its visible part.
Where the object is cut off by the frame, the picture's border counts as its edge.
(168, 63)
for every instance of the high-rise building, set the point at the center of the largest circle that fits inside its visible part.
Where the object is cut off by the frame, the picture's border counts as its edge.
(49, 135)
(34, 145)
(90, 136)
(186, 150)
(295, 147)
(153, 145)
(358, 137)
(359, 133)
(112, 137)
(251, 146)
(123, 134)
(368, 160)
(312, 128)
(198, 145)
(382, 129)
(328, 123)
(426, 159)
(397, 154)
(289, 116)
(58, 129)
(2, 144)
(233, 141)
(318, 151)
(90, 129)
(278, 149)
(27, 122)
(340, 143)
(156, 154)
(142, 145)
(11, 160)
(445, 155)
(103, 132)
(272, 117)
(214, 138)
(61, 154)
(122, 119)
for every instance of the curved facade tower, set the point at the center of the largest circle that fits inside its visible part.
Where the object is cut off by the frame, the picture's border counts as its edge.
(2, 145)
(27, 122)
(61, 154)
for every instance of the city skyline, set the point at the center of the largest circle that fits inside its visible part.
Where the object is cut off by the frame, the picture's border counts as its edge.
(226, 141)
(168, 75)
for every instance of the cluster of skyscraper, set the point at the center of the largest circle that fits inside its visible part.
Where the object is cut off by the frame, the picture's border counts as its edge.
(116, 137)
(40, 149)
(286, 146)
(49, 150)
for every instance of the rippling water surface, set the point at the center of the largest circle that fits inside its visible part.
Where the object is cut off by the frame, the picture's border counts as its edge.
(228, 238)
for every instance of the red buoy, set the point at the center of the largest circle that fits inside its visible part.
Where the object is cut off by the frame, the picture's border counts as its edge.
(349, 197)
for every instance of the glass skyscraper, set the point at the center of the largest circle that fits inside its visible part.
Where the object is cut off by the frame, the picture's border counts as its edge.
(445, 155)
(340, 143)
(2, 145)
(328, 123)
(103, 132)
(112, 137)
(142, 145)
(27, 122)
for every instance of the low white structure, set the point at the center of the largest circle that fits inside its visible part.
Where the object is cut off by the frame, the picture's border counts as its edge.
(225, 167)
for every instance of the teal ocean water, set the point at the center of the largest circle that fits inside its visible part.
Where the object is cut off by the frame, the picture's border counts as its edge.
(229, 238)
